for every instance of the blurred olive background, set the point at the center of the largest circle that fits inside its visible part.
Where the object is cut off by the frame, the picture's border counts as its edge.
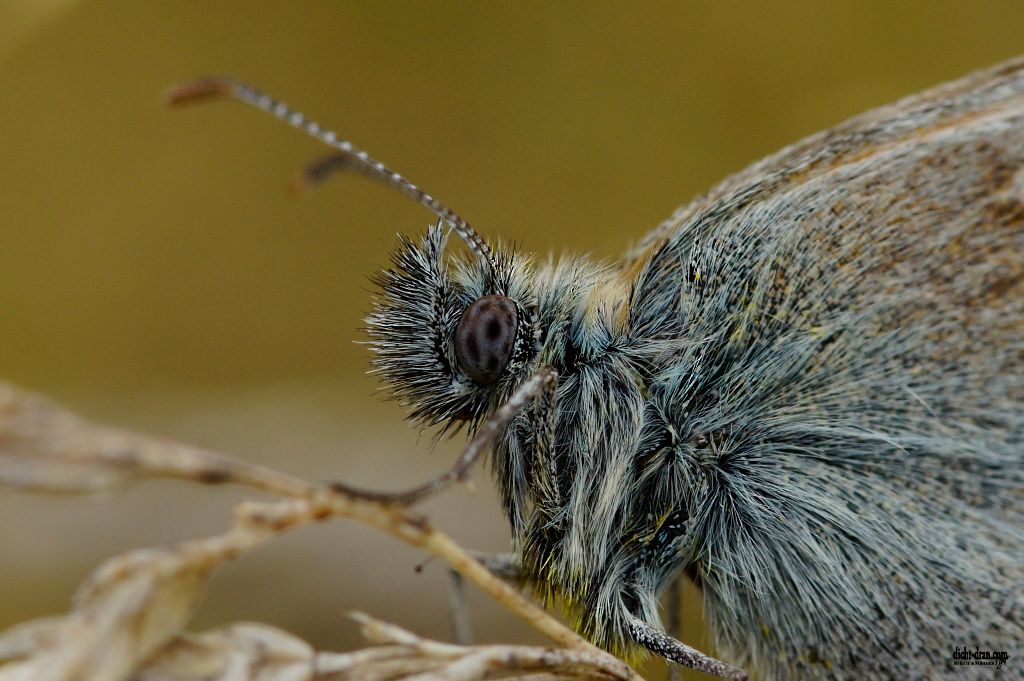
(154, 273)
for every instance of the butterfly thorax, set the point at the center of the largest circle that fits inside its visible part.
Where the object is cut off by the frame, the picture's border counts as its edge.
(605, 521)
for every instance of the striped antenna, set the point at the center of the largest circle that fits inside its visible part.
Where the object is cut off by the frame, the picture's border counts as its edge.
(349, 158)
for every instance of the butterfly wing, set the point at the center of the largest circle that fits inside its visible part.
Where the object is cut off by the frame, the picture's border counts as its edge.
(844, 323)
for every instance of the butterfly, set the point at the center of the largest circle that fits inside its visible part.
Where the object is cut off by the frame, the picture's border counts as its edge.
(804, 391)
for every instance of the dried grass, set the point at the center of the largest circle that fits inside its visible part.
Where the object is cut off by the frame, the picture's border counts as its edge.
(128, 619)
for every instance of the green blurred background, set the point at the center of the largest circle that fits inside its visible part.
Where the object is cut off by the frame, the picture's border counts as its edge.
(154, 273)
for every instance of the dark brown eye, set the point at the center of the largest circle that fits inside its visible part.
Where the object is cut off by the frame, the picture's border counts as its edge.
(484, 338)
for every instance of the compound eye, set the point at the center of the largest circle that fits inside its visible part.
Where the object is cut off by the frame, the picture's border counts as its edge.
(484, 338)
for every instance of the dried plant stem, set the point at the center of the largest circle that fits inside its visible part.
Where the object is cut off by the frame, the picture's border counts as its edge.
(129, 615)
(474, 661)
(417, 531)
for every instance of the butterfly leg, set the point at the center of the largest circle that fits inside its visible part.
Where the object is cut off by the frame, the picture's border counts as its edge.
(543, 420)
(660, 643)
(503, 565)
(458, 610)
(540, 387)
(674, 623)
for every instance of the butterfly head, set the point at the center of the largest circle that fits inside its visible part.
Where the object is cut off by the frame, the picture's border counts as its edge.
(452, 335)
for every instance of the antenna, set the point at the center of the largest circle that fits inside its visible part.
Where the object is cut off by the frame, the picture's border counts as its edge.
(349, 158)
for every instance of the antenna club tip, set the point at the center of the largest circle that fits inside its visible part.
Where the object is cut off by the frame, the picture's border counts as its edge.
(199, 90)
(306, 180)
(299, 186)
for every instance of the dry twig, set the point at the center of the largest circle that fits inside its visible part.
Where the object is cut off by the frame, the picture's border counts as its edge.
(128, 618)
